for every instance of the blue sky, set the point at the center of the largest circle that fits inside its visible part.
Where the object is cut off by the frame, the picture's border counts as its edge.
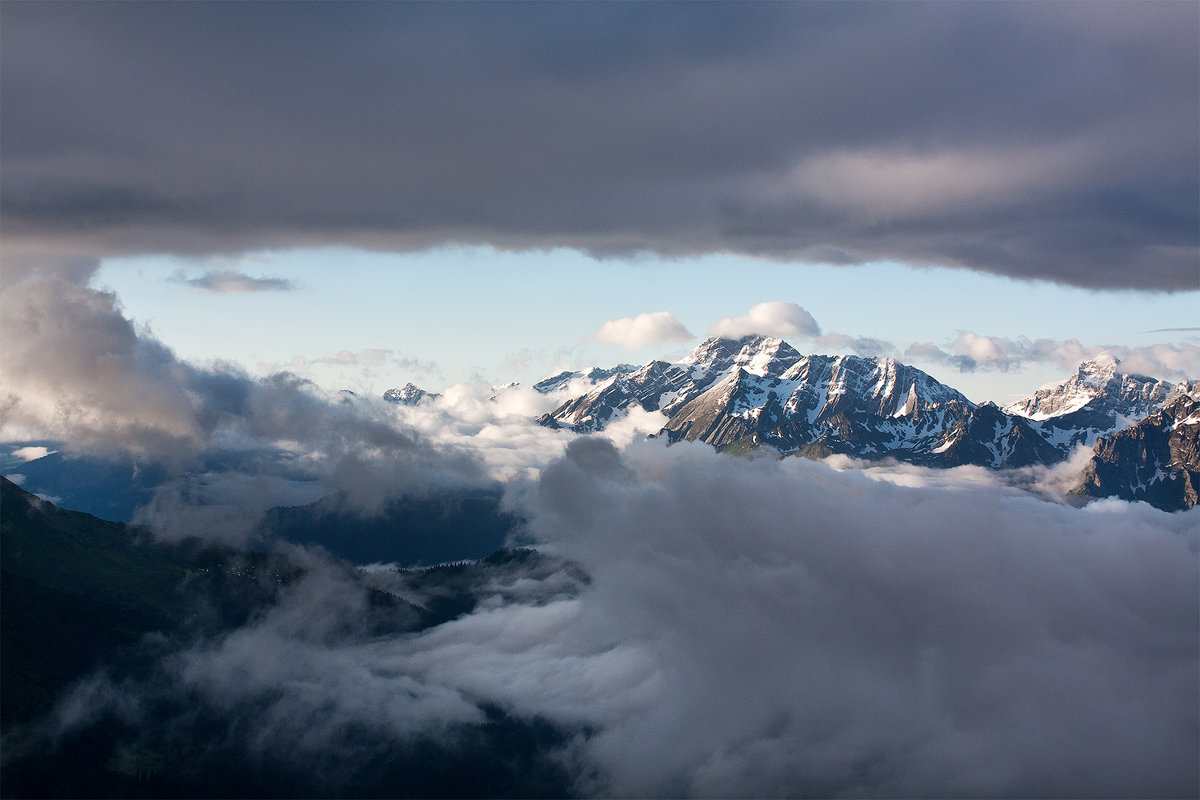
(475, 314)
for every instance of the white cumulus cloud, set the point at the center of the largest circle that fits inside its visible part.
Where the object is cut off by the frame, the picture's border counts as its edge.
(773, 318)
(634, 333)
(32, 453)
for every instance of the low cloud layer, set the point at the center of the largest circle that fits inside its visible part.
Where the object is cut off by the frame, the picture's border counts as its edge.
(78, 371)
(760, 628)
(1035, 141)
(634, 333)
(498, 426)
(804, 631)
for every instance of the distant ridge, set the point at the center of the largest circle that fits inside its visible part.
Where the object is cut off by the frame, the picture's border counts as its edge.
(740, 394)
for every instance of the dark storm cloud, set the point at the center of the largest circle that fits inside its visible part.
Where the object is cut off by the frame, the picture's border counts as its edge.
(1051, 141)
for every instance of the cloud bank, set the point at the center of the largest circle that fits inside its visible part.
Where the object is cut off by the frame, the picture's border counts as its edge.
(759, 628)
(1034, 141)
(794, 631)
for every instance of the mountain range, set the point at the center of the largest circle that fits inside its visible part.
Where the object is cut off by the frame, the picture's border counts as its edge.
(756, 391)
(1156, 459)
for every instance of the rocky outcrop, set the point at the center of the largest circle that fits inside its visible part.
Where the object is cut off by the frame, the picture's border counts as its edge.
(409, 395)
(1156, 460)
(1097, 400)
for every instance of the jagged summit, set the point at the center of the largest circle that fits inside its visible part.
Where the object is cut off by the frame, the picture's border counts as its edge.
(1098, 397)
(759, 390)
(594, 375)
(409, 395)
(1185, 388)
(1096, 372)
(738, 394)
(1156, 460)
(1104, 364)
(757, 355)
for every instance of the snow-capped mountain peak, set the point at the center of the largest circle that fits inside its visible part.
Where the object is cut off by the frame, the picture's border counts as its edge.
(740, 393)
(594, 375)
(1099, 370)
(1096, 401)
(758, 355)
(1098, 386)
(1185, 388)
(409, 395)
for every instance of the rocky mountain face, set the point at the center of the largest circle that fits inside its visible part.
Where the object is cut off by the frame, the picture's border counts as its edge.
(1156, 460)
(745, 393)
(1094, 402)
(409, 395)
(739, 394)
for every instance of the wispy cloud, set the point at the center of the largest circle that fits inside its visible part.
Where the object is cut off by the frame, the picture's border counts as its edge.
(795, 324)
(361, 369)
(970, 352)
(232, 281)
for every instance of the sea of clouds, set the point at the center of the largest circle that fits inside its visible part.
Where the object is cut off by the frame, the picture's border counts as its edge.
(748, 627)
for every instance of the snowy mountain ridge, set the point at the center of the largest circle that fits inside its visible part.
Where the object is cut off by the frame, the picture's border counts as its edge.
(741, 393)
(1156, 460)
(1097, 379)
(1096, 401)
(737, 394)
(408, 395)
